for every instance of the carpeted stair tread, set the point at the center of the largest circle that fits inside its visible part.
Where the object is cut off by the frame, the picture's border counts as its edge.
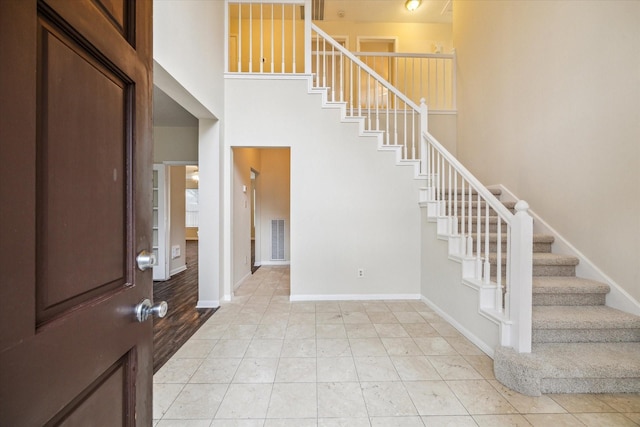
(583, 317)
(571, 368)
(543, 258)
(568, 285)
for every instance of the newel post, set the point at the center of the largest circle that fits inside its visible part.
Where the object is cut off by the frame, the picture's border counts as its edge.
(424, 127)
(520, 291)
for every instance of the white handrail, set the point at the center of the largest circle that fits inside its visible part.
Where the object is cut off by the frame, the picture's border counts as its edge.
(365, 67)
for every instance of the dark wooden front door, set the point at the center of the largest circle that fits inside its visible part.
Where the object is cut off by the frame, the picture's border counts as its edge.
(75, 207)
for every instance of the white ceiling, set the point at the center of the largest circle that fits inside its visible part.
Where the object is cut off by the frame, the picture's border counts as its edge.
(433, 11)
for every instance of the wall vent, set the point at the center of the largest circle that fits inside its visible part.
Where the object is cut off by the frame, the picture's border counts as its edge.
(277, 239)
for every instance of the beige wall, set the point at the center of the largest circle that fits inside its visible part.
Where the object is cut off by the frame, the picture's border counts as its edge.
(175, 144)
(549, 106)
(411, 37)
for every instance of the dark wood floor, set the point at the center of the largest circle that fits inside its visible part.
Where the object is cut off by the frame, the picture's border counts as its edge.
(183, 319)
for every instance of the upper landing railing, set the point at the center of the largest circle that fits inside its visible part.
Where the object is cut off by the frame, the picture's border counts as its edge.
(276, 38)
(493, 244)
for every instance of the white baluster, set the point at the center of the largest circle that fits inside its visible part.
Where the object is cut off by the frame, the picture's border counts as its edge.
(455, 204)
(376, 85)
(273, 41)
(351, 86)
(342, 79)
(359, 91)
(324, 63)
(283, 69)
(478, 239)
(487, 265)
(333, 73)
(499, 266)
(261, 42)
(240, 37)
(463, 240)
(293, 24)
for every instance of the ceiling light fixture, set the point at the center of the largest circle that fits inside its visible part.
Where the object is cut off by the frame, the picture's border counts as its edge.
(412, 5)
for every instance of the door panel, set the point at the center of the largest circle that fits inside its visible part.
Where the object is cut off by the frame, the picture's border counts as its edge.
(75, 124)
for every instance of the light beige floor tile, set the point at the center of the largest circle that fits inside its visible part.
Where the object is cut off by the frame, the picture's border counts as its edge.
(361, 347)
(483, 364)
(237, 423)
(259, 299)
(256, 371)
(336, 369)
(264, 348)
(528, 404)
(296, 317)
(622, 402)
(435, 346)
(177, 371)
(391, 330)
(303, 307)
(184, 423)
(211, 330)
(414, 368)
(454, 368)
(361, 330)
(634, 416)
(553, 420)
(355, 317)
(343, 422)
(331, 330)
(375, 369)
(246, 319)
(449, 421)
(399, 306)
(329, 317)
(396, 422)
(605, 419)
(445, 329)
(213, 371)
(333, 347)
(240, 331)
(420, 330)
(434, 398)
(195, 349)
(293, 422)
(351, 306)
(387, 399)
(163, 397)
(464, 346)
(229, 349)
(401, 347)
(375, 306)
(575, 403)
(409, 317)
(327, 307)
(381, 317)
(479, 397)
(431, 316)
(293, 400)
(296, 369)
(298, 348)
(197, 401)
(298, 331)
(271, 330)
(340, 400)
(501, 420)
(245, 401)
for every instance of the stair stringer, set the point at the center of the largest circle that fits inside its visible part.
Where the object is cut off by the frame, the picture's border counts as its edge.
(360, 120)
(468, 304)
(617, 297)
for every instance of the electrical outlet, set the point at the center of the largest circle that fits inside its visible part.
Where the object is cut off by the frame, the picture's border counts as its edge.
(360, 272)
(175, 251)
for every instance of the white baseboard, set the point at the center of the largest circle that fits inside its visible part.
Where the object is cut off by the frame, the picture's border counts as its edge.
(471, 337)
(355, 297)
(618, 298)
(208, 304)
(239, 282)
(178, 270)
(270, 262)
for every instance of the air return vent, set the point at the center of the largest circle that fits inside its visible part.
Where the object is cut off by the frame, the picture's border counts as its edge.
(277, 239)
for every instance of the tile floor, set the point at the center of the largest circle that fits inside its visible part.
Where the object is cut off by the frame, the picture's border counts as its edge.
(261, 361)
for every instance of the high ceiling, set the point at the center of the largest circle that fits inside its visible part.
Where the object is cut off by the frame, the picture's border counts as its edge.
(434, 11)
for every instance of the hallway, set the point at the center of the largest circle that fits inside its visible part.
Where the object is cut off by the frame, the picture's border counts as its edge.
(262, 361)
